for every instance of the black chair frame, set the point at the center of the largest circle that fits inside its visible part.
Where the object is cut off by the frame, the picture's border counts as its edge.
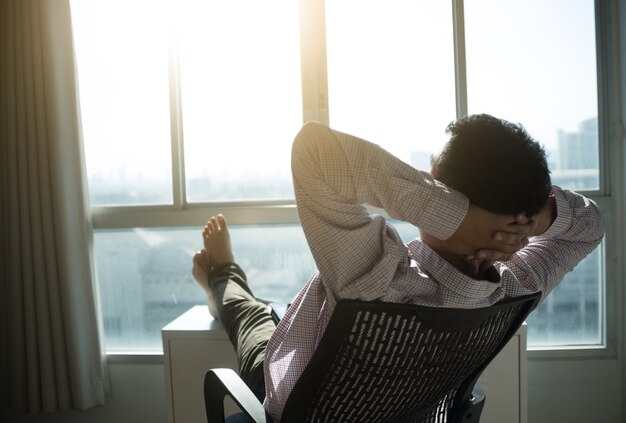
(470, 337)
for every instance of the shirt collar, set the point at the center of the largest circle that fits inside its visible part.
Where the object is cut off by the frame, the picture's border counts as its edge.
(449, 276)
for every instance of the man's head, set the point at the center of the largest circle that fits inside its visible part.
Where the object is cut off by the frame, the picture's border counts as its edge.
(496, 164)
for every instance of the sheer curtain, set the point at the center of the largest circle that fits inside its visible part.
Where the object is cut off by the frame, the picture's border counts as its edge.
(51, 346)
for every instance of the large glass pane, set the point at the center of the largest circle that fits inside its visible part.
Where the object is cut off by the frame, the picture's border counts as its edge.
(571, 315)
(241, 97)
(145, 281)
(534, 62)
(391, 73)
(122, 61)
(145, 277)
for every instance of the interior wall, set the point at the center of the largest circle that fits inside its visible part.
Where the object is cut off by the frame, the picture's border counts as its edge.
(574, 390)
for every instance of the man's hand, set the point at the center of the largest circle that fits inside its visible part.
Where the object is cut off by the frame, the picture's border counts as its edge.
(486, 236)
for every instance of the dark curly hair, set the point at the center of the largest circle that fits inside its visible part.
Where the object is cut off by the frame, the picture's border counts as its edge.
(496, 164)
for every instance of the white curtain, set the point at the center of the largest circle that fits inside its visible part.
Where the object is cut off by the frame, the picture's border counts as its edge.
(51, 347)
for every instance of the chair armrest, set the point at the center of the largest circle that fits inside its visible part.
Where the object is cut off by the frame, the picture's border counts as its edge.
(221, 382)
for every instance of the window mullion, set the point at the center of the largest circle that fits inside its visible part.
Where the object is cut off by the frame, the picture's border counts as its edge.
(610, 144)
(313, 57)
(610, 128)
(460, 68)
(176, 120)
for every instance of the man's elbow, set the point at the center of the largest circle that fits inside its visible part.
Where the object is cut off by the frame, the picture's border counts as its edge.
(595, 227)
(308, 133)
(305, 140)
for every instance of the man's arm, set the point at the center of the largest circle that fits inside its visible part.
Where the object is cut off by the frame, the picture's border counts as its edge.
(546, 217)
(567, 229)
(335, 174)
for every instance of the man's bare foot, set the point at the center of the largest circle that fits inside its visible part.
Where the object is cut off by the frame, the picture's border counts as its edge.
(217, 251)
(200, 272)
(217, 241)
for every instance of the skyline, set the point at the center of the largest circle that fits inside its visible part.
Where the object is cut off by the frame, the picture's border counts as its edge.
(119, 188)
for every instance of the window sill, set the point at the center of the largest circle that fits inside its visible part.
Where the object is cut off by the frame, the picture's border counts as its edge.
(138, 357)
(588, 352)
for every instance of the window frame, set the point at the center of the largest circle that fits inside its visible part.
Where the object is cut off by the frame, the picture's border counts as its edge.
(316, 107)
(610, 135)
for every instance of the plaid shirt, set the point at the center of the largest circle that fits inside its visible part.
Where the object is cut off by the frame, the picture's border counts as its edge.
(362, 256)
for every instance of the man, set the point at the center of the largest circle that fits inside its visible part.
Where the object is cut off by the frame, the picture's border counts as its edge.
(491, 225)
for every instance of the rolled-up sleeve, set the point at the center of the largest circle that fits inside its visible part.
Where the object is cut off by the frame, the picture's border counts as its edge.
(577, 230)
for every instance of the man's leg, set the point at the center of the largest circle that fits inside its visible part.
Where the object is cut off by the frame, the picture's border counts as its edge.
(247, 321)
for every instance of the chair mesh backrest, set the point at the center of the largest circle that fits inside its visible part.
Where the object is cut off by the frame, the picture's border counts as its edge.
(381, 362)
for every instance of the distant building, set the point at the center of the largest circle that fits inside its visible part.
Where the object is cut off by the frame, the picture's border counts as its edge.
(579, 150)
(578, 157)
(577, 180)
(166, 293)
(573, 314)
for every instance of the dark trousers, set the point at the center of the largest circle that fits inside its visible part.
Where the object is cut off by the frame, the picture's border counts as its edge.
(247, 321)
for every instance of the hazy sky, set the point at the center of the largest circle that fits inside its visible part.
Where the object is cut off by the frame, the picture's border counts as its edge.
(391, 76)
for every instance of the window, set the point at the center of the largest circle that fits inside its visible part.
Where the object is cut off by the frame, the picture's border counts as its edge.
(145, 275)
(241, 97)
(189, 109)
(391, 76)
(123, 82)
(540, 69)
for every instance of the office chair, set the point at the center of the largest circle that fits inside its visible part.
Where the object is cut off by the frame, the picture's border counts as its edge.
(387, 362)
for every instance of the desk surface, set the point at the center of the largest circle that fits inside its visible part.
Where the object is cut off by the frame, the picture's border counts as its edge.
(196, 320)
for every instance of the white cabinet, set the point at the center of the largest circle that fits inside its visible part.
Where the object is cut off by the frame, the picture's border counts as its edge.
(194, 343)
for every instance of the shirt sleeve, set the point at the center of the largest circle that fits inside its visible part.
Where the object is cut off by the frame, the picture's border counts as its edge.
(335, 175)
(577, 230)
